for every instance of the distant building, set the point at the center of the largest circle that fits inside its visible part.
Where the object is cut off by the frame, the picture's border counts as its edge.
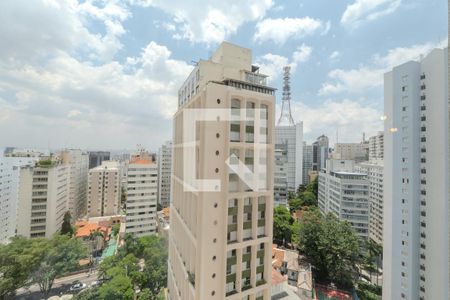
(351, 151)
(289, 161)
(376, 146)
(104, 190)
(78, 162)
(9, 193)
(416, 179)
(142, 186)
(307, 162)
(43, 198)
(374, 171)
(321, 150)
(345, 193)
(97, 157)
(164, 174)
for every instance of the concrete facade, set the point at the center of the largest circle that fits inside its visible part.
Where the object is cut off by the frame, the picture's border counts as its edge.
(416, 221)
(142, 185)
(104, 190)
(220, 239)
(345, 193)
(164, 174)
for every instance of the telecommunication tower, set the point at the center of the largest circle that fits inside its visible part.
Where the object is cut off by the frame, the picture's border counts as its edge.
(286, 104)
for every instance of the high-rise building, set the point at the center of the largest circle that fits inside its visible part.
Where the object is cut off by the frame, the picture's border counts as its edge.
(307, 162)
(221, 214)
(376, 146)
(43, 198)
(164, 174)
(9, 193)
(78, 162)
(320, 152)
(104, 190)
(142, 185)
(416, 180)
(97, 157)
(345, 193)
(289, 143)
(351, 151)
(374, 171)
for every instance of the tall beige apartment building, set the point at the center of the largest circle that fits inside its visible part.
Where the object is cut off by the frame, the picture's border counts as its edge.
(43, 198)
(221, 214)
(104, 190)
(142, 186)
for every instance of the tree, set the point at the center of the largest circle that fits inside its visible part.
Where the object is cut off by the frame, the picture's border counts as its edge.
(309, 199)
(282, 222)
(119, 287)
(62, 256)
(17, 261)
(66, 227)
(330, 245)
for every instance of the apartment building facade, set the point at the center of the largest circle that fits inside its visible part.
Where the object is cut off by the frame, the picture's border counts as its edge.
(345, 193)
(43, 198)
(416, 220)
(307, 162)
(221, 227)
(164, 174)
(104, 190)
(78, 162)
(376, 146)
(142, 185)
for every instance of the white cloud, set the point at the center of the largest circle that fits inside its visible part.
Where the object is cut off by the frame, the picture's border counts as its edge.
(371, 76)
(272, 64)
(280, 30)
(368, 10)
(52, 84)
(349, 117)
(209, 21)
(335, 55)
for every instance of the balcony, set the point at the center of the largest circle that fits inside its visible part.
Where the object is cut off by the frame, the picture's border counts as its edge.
(261, 222)
(248, 225)
(231, 278)
(260, 282)
(232, 211)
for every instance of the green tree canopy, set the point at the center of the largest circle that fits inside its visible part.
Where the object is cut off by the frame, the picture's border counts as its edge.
(17, 260)
(119, 287)
(62, 256)
(330, 245)
(282, 222)
(66, 227)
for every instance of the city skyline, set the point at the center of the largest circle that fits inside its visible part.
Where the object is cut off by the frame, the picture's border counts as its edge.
(123, 63)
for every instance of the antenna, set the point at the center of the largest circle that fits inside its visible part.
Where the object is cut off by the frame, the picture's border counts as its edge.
(286, 104)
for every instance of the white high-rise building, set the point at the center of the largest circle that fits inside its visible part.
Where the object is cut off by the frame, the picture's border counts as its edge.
(307, 162)
(345, 193)
(374, 171)
(416, 180)
(78, 162)
(376, 146)
(104, 190)
(43, 198)
(220, 218)
(142, 186)
(164, 174)
(9, 193)
(289, 140)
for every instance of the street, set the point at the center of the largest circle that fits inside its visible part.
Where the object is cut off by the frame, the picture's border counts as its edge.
(60, 286)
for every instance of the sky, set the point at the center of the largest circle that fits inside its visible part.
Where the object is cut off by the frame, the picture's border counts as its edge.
(96, 74)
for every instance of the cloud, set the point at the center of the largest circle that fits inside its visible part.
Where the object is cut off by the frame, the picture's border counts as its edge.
(371, 75)
(53, 87)
(209, 21)
(368, 10)
(335, 55)
(280, 30)
(272, 64)
(350, 118)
